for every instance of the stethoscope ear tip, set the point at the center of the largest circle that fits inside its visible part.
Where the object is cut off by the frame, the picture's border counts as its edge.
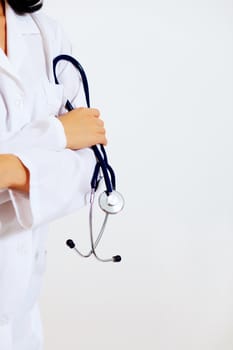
(70, 243)
(116, 258)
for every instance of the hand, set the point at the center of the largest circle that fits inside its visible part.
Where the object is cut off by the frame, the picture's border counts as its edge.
(83, 128)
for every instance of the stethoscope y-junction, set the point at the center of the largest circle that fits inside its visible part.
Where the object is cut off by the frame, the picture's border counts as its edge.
(110, 201)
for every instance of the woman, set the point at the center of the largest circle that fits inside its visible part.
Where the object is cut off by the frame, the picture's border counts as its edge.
(42, 178)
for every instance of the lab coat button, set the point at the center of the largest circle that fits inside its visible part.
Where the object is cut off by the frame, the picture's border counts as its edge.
(4, 320)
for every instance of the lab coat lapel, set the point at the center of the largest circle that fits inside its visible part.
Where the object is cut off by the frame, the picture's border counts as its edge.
(17, 29)
(16, 47)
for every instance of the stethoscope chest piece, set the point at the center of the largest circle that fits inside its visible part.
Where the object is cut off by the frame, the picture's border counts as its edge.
(111, 203)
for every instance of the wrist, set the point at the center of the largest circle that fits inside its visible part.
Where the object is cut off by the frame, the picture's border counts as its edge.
(5, 170)
(13, 174)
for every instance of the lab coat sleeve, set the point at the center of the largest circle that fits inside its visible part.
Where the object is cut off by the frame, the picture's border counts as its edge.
(59, 178)
(47, 133)
(59, 183)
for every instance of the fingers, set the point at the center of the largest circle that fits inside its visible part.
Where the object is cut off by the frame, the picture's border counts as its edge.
(101, 130)
(102, 140)
(100, 122)
(95, 112)
(101, 135)
(83, 128)
(99, 125)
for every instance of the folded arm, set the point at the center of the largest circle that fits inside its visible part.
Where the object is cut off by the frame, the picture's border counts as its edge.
(82, 129)
(47, 184)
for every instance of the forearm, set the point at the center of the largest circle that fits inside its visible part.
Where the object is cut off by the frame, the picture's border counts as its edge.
(13, 174)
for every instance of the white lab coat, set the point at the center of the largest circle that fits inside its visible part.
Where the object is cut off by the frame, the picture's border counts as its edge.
(59, 177)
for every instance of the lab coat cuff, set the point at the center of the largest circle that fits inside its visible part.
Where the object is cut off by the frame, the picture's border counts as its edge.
(60, 132)
(22, 201)
(21, 204)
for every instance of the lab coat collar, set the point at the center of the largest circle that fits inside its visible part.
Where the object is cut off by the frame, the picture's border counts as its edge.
(17, 28)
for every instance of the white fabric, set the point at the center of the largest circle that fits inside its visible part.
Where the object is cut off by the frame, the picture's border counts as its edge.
(59, 178)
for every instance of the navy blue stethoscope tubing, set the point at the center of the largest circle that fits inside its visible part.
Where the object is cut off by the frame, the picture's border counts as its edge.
(102, 160)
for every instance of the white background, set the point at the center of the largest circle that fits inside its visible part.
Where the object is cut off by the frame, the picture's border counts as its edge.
(161, 72)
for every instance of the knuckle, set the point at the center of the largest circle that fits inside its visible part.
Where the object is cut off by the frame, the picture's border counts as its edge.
(102, 131)
(96, 112)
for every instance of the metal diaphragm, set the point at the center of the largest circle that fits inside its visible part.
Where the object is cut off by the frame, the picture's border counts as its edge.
(112, 203)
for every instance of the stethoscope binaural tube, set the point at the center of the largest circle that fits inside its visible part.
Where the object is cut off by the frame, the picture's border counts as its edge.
(110, 201)
(104, 165)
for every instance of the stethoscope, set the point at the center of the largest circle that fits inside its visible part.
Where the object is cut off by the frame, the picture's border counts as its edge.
(110, 201)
